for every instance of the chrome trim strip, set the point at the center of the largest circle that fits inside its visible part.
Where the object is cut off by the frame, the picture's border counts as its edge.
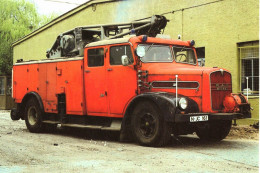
(48, 61)
(175, 82)
(176, 89)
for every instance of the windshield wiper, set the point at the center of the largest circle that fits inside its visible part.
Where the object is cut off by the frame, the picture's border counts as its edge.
(182, 48)
(149, 47)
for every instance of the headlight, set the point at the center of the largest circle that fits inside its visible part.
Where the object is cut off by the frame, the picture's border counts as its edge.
(183, 103)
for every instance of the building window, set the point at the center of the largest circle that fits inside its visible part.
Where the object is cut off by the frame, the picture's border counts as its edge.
(2, 86)
(201, 56)
(249, 67)
(9, 86)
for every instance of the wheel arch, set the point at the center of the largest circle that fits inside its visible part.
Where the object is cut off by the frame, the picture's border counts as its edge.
(26, 98)
(164, 102)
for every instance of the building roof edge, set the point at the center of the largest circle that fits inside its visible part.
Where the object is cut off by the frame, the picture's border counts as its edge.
(61, 18)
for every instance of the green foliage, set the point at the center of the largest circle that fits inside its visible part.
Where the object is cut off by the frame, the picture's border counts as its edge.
(17, 19)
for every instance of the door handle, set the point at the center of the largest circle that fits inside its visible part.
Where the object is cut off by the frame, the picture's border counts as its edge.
(103, 95)
(109, 69)
(87, 71)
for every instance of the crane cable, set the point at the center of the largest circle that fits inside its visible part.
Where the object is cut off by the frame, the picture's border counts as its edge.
(182, 9)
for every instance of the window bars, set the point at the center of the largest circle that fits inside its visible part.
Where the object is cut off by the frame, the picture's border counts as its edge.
(249, 69)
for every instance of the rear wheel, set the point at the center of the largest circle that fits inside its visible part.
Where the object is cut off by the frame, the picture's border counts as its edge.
(148, 125)
(214, 131)
(14, 115)
(33, 117)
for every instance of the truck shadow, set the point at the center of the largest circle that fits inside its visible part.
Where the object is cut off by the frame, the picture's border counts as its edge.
(194, 142)
(112, 136)
(89, 134)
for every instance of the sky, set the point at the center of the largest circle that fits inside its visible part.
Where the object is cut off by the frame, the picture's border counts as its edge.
(47, 7)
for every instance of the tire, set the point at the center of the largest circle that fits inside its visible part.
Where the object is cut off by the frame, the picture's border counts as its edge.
(148, 125)
(215, 131)
(33, 116)
(14, 115)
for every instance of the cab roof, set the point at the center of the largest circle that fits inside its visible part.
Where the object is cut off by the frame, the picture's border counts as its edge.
(138, 39)
(107, 42)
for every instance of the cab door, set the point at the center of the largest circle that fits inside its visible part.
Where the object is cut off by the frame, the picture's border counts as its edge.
(95, 82)
(122, 80)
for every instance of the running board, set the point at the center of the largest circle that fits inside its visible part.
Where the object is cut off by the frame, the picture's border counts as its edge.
(51, 122)
(115, 125)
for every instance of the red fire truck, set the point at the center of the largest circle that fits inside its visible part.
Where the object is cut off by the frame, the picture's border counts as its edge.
(142, 85)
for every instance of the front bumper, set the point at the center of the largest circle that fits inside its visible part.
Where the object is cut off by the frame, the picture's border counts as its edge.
(211, 116)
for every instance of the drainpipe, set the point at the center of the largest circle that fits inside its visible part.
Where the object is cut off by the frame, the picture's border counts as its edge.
(247, 88)
(176, 89)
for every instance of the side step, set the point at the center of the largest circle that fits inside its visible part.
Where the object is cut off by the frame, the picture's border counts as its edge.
(115, 125)
(51, 122)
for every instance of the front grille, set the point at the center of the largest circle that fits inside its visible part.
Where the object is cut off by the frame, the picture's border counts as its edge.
(221, 86)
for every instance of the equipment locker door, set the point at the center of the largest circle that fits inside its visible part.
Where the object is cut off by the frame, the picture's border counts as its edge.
(51, 79)
(95, 82)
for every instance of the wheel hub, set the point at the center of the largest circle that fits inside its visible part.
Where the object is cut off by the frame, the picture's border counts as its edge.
(147, 125)
(32, 115)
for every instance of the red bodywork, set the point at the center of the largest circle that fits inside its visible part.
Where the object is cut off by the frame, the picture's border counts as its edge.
(108, 90)
(49, 79)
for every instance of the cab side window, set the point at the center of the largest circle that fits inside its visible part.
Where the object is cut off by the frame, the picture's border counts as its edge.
(95, 57)
(116, 52)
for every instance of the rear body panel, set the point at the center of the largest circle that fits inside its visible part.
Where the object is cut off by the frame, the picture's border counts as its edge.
(49, 79)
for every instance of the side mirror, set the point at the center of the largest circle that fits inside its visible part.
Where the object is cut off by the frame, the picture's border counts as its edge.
(124, 60)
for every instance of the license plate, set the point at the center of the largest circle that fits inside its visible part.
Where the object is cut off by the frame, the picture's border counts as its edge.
(199, 118)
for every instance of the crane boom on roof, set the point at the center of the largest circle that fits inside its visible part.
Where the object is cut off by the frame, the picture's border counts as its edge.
(72, 42)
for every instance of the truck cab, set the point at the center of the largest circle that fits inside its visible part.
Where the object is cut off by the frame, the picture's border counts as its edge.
(108, 82)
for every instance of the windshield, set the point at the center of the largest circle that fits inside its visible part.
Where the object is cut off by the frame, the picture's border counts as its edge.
(156, 53)
(184, 55)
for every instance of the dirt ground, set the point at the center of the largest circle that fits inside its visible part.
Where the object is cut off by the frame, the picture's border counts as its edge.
(95, 151)
(243, 132)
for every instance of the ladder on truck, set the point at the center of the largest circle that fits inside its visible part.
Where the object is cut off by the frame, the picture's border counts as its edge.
(72, 42)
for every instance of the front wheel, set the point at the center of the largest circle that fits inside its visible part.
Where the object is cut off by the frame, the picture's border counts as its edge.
(214, 131)
(33, 117)
(148, 125)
